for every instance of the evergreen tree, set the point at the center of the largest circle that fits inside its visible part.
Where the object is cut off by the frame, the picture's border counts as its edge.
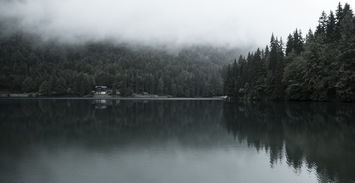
(83, 84)
(320, 68)
(322, 25)
(289, 44)
(45, 89)
(331, 28)
(160, 87)
(28, 85)
(60, 86)
(298, 42)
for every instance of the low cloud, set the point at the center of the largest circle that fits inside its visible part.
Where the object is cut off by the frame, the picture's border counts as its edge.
(169, 22)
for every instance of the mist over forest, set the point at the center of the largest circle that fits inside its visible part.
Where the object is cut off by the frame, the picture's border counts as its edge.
(30, 64)
(47, 48)
(41, 52)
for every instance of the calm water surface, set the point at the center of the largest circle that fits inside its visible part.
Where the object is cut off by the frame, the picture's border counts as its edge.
(89, 141)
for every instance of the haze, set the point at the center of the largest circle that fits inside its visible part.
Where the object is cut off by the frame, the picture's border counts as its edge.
(172, 22)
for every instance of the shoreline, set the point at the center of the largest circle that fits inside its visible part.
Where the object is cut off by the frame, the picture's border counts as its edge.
(116, 98)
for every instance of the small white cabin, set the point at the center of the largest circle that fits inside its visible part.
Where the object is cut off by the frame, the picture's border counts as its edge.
(100, 90)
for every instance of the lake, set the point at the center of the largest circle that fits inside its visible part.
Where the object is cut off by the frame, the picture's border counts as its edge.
(128, 141)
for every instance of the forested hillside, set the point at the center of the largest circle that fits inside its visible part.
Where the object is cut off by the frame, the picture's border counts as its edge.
(50, 68)
(317, 67)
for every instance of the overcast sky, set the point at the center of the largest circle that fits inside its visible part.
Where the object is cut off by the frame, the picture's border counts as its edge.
(179, 22)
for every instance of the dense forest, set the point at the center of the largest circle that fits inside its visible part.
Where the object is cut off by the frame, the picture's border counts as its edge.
(50, 68)
(317, 67)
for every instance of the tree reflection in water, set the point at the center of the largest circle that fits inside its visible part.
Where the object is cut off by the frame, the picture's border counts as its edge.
(319, 136)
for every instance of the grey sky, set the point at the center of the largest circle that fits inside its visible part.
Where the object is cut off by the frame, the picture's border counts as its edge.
(179, 22)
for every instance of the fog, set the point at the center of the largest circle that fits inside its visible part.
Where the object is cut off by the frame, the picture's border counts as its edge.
(164, 22)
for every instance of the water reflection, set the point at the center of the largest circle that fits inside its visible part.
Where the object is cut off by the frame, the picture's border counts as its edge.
(319, 136)
(175, 141)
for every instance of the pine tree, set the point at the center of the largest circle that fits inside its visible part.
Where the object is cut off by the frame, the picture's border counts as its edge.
(289, 44)
(320, 68)
(45, 89)
(322, 25)
(339, 13)
(331, 28)
(160, 86)
(347, 27)
(83, 84)
(298, 41)
(309, 36)
(60, 86)
(28, 85)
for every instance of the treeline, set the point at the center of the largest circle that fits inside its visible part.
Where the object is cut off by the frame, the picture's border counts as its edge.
(317, 67)
(30, 65)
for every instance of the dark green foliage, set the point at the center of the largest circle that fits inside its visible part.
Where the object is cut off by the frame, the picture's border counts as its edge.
(82, 84)
(29, 65)
(45, 88)
(294, 43)
(27, 85)
(322, 24)
(331, 28)
(289, 44)
(320, 67)
(60, 86)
